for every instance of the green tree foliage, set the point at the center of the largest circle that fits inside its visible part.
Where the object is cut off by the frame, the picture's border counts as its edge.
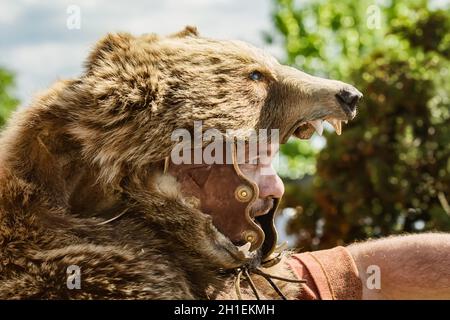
(389, 171)
(7, 102)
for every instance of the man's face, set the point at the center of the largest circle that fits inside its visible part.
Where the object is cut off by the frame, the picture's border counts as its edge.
(264, 175)
(214, 186)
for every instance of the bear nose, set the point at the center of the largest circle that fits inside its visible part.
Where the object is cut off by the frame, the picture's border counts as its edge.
(348, 98)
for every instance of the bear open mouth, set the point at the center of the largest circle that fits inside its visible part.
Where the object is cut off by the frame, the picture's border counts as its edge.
(306, 129)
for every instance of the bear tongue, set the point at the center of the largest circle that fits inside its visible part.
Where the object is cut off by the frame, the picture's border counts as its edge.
(305, 131)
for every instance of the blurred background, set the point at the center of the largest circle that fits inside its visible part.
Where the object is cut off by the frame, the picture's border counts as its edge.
(388, 173)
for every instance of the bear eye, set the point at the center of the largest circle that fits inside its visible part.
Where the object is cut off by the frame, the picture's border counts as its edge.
(256, 75)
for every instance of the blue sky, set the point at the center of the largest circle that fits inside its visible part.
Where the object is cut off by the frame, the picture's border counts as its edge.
(37, 46)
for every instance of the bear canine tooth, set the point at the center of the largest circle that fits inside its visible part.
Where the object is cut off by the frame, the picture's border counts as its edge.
(337, 125)
(245, 248)
(318, 125)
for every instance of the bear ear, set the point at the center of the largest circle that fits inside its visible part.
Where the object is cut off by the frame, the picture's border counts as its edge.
(110, 43)
(188, 31)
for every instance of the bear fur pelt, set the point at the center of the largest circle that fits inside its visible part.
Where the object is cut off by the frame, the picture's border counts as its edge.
(81, 168)
(80, 172)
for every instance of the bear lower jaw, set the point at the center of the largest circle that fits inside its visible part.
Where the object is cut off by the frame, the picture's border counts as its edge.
(304, 131)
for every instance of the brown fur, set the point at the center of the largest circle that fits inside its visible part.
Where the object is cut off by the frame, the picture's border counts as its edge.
(91, 147)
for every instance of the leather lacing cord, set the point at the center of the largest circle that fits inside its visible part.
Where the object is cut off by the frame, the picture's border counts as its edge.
(244, 270)
(106, 221)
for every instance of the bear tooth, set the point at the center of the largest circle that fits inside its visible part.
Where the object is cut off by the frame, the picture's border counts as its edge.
(245, 248)
(318, 126)
(337, 125)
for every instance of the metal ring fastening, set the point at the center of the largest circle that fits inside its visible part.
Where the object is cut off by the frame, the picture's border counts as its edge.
(243, 193)
(250, 236)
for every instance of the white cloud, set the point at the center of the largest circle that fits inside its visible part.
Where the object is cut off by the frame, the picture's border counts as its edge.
(9, 11)
(38, 66)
